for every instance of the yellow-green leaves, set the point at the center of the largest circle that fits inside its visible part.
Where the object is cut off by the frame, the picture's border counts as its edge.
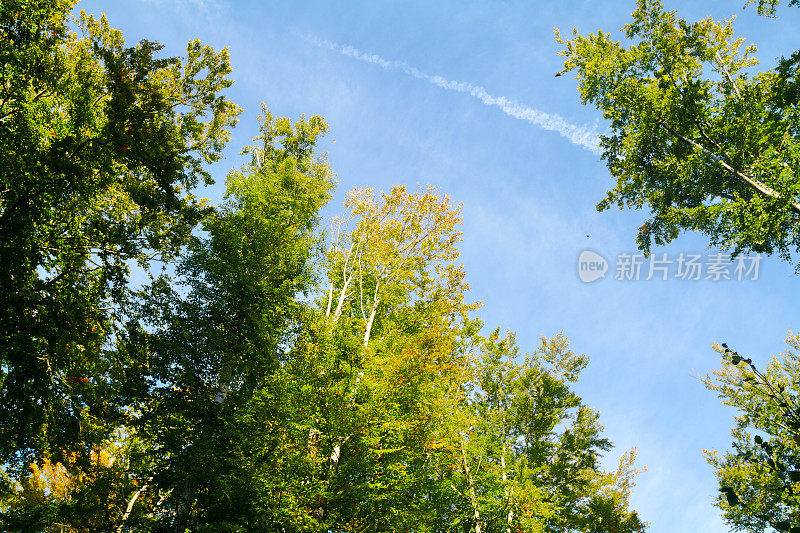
(760, 477)
(704, 142)
(397, 249)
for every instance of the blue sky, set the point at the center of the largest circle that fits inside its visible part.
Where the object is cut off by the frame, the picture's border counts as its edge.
(529, 193)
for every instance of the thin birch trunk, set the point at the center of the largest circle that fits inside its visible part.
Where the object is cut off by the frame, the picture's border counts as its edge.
(129, 508)
(368, 328)
(510, 515)
(333, 466)
(473, 498)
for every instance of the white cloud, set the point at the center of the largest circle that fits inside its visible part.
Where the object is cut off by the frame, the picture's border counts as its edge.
(205, 7)
(578, 135)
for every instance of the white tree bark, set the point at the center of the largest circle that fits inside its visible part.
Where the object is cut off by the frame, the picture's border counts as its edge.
(506, 490)
(129, 508)
(473, 498)
(333, 466)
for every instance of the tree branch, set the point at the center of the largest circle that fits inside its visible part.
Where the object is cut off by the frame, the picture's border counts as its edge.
(129, 508)
(751, 182)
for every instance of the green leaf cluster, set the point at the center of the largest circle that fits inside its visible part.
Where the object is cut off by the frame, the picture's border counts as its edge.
(696, 135)
(261, 374)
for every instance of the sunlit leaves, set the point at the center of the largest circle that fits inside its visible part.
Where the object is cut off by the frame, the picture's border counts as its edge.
(696, 136)
(760, 476)
(101, 144)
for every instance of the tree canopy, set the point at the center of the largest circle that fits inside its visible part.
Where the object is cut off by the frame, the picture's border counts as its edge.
(261, 373)
(760, 477)
(696, 135)
(100, 147)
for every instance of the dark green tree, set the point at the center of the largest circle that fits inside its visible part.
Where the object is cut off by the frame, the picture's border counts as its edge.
(219, 332)
(100, 147)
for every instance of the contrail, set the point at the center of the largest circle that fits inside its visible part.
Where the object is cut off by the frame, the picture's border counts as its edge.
(577, 135)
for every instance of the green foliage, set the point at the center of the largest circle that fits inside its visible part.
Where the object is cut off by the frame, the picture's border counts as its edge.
(99, 146)
(56, 497)
(527, 449)
(696, 135)
(219, 335)
(760, 478)
(259, 381)
(352, 411)
(769, 7)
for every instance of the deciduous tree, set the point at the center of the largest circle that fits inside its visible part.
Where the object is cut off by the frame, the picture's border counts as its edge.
(760, 477)
(696, 135)
(526, 452)
(220, 331)
(101, 145)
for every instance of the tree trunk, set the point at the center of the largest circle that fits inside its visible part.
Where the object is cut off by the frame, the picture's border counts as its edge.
(510, 515)
(342, 297)
(333, 466)
(368, 328)
(476, 513)
(330, 300)
(129, 508)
